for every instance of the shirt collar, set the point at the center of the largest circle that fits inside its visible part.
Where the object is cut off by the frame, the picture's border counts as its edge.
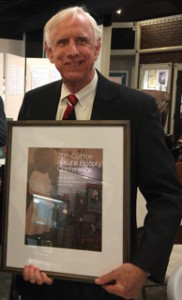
(83, 94)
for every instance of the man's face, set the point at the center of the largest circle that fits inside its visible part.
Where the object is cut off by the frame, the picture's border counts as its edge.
(73, 51)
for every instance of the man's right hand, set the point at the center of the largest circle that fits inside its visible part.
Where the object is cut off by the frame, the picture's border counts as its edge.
(35, 276)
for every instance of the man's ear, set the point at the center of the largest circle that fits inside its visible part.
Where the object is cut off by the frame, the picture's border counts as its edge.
(49, 53)
(97, 49)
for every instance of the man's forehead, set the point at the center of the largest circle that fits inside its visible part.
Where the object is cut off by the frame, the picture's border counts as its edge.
(79, 22)
(68, 31)
(71, 19)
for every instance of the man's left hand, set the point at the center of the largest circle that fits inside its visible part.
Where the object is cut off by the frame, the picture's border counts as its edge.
(125, 281)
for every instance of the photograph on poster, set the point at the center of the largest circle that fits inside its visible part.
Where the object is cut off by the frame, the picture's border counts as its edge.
(63, 200)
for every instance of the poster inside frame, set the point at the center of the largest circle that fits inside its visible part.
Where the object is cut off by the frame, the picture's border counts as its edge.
(64, 185)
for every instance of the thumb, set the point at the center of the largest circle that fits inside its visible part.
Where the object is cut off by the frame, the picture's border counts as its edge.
(106, 278)
(46, 279)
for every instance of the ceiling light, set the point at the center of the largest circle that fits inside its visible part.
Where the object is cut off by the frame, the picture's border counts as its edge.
(119, 11)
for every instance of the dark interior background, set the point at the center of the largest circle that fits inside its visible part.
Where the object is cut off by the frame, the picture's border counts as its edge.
(29, 16)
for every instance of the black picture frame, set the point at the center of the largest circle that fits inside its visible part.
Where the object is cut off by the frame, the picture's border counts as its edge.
(107, 148)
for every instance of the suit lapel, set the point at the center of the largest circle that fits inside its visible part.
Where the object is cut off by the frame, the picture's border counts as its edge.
(51, 101)
(104, 107)
(104, 102)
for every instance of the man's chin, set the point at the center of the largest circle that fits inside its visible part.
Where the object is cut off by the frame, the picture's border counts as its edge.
(73, 77)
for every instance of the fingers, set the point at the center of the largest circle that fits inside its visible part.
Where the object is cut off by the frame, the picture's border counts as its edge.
(114, 289)
(28, 273)
(109, 283)
(33, 275)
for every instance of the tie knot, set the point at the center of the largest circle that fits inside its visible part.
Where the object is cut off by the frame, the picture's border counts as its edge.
(70, 107)
(72, 99)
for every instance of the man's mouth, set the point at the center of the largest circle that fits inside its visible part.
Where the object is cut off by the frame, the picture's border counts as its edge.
(74, 64)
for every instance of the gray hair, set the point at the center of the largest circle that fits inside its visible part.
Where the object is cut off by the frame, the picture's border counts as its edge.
(65, 13)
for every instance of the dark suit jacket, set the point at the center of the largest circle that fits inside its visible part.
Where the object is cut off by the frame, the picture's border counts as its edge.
(152, 166)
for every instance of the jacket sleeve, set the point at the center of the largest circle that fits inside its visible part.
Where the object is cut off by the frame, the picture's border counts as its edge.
(158, 183)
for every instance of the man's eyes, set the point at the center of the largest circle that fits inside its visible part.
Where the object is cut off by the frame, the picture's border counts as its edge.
(82, 40)
(62, 42)
(78, 41)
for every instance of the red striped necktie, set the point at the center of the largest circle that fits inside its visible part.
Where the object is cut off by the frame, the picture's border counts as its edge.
(70, 106)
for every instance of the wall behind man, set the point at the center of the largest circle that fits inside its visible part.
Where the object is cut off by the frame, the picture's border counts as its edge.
(162, 33)
(12, 46)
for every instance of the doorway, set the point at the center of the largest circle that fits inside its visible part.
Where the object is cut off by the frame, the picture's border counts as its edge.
(178, 107)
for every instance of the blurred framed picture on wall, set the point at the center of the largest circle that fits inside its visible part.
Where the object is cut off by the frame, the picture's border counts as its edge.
(120, 77)
(155, 77)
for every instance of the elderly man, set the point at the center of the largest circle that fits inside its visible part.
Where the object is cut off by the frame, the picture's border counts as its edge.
(73, 42)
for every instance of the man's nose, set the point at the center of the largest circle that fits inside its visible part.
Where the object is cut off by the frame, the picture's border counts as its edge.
(72, 48)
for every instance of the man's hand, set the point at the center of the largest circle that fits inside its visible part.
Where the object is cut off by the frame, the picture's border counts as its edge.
(125, 281)
(34, 275)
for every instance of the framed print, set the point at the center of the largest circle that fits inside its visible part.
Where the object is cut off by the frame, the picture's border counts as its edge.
(162, 77)
(156, 77)
(65, 183)
(120, 77)
(152, 75)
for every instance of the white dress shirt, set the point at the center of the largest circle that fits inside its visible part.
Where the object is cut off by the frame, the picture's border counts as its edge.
(83, 108)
